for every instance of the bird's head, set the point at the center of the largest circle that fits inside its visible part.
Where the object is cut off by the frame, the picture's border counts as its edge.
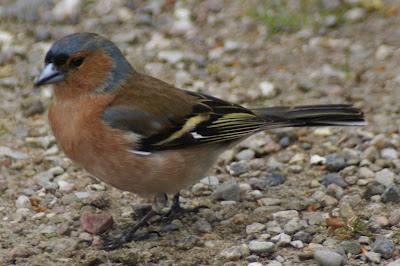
(87, 61)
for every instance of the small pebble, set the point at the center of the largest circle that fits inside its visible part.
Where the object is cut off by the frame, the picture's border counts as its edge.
(297, 244)
(365, 172)
(333, 179)
(23, 202)
(96, 223)
(373, 257)
(268, 89)
(237, 168)
(65, 186)
(203, 226)
(394, 217)
(5, 151)
(294, 225)
(282, 239)
(316, 159)
(255, 228)
(245, 155)
(171, 57)
(335, 162)
(384, 177)
(282, 217)
(187, 242)
(262, 247)
(302, 236)
(232, 253)
(354, 14)
(227, 191)
(38, 216)
(351, 247)
(391, 194)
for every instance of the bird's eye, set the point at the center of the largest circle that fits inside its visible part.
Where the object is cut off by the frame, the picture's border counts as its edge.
(77, 61)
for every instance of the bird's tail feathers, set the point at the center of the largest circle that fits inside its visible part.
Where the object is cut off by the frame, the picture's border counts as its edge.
(312, 115)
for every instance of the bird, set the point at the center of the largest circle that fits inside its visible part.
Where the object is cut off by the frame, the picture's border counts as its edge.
(143, 135)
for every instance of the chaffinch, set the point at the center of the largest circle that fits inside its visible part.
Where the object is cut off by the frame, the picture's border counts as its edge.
(140, 134)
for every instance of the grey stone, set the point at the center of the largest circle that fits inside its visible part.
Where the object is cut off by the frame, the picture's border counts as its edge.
(203, 226)
(371, 153)
(384, 177)
(335, 162)
(282, 217)
(351, 156)
(282, 239)
(270, 201)
(263, 214)
(229, 190)
(262, 247)
(313, 217)
(351, 247)
(391, 194)
(373, 257)
(302, 236)
(284, 142)
(5, 151)
(273, 179)
(394, 217)
(328, 258)
(187, 243)
(366, 173)
(273, 227)
(210, 180)
(237, 168)
(235, 252)
(245, 155)
(384, 246)
(364, 240)
(254, 228)
(333, 179)
(294, 225)
(373, 189)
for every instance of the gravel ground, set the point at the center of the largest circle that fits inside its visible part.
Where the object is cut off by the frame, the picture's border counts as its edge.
(327, 196)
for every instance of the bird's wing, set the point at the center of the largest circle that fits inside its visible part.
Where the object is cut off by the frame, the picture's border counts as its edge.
(193, 119)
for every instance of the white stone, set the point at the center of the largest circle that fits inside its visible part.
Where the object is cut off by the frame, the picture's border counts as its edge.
(323, 131)
(171, 56)
(297, 244)
(23, 202)
(282, 239)
(316, 159)
(383, 52)
(267, 89)
(254, 228)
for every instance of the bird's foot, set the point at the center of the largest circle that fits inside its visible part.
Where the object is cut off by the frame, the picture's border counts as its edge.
(114, 243)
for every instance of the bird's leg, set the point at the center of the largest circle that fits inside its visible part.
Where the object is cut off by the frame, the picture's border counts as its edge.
(159, 202)
(176, 210)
